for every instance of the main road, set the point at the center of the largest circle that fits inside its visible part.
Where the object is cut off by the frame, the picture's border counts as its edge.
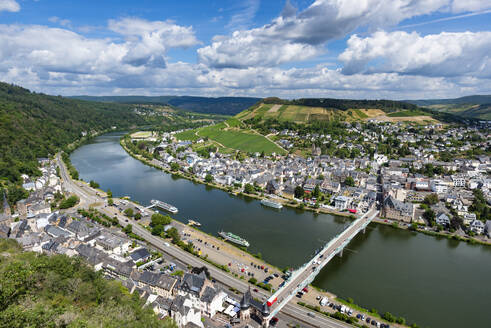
(88, 196)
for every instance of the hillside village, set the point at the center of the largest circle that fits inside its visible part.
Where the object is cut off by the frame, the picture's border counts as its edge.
(417, 190)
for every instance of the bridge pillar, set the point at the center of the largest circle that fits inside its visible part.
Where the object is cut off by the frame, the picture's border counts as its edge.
(364, 229)
(340, 254)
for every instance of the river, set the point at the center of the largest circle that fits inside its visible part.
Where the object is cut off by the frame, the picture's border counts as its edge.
(433, 282)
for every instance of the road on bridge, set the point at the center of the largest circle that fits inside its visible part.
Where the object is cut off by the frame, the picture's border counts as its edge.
(305, 275)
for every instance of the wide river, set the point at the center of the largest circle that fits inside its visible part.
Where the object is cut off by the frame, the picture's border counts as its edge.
(433, 282)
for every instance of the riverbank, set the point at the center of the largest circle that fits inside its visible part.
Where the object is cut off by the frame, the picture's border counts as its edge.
(401, 271)
(238, 261)
(288, 203)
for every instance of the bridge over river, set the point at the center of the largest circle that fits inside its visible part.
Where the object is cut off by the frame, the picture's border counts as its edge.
(304, 275)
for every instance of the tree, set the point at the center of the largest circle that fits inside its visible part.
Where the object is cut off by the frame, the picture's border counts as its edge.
(249, 189)
(128, 212)
(208, 178)
(128, 229)
(317, 191)
(299, 192)
(69, 202)
(157, 230)
(174, 235)
(429, 216)
(110, 202)
(174, 166)
(138, 216)
(431, 199)
(349, 181)
(109, 193)
(93, 184)
(159, 219)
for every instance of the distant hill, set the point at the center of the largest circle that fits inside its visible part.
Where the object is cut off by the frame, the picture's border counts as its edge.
(35, 125)
(304, 111)
(476, 99)
(475, 107)
(220, 105)
(345, 104)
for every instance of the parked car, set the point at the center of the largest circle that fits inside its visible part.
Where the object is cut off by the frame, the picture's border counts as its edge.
(310, 314)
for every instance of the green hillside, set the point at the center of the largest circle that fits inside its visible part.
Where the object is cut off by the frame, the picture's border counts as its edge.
(58, 291)
(471, 107)
(219, 105)
(229, 136)
(282, 111)
(35, 125)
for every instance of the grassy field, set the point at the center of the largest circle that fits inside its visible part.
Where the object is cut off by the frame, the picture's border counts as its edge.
(141, 134)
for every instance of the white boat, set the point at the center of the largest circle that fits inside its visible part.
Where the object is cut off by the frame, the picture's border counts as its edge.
(164, 206)
(270, 203)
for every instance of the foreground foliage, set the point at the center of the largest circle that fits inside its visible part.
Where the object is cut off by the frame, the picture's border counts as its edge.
(58, 291)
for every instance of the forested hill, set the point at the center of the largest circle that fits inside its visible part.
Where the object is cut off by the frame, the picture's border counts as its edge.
(345, 104)
(219, 105)
(470, 107)
(476, 99)
(35, 125)
(59, 291)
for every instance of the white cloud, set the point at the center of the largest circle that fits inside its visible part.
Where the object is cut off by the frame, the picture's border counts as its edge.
(298, 36)
(62, 22)
(444, 54)
(56, 54)
(9, 5)
(243, 18)
(459, 6)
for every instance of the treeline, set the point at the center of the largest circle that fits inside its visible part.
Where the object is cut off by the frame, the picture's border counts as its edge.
(219, 105)
(345, 104)
(34, 125)
(59, 291)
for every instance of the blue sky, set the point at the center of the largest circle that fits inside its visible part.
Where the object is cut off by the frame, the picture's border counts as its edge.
(299, 48)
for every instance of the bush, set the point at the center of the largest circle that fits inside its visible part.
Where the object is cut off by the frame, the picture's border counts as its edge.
(389, 317)
(253, 281)
(401, 320)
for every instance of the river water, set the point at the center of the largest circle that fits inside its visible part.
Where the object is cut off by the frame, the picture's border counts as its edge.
(433, 282)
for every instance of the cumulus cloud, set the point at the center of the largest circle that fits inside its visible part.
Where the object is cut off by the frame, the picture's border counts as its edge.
(56, 53)
(298, 36)
(148, 41)
(459, 6)
(444, 54)
(9, 5)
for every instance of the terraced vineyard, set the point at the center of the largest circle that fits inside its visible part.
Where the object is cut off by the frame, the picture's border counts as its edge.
(229, 136)
(307, 114)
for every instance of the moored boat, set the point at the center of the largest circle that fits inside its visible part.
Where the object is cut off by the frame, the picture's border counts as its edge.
(234, 238)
